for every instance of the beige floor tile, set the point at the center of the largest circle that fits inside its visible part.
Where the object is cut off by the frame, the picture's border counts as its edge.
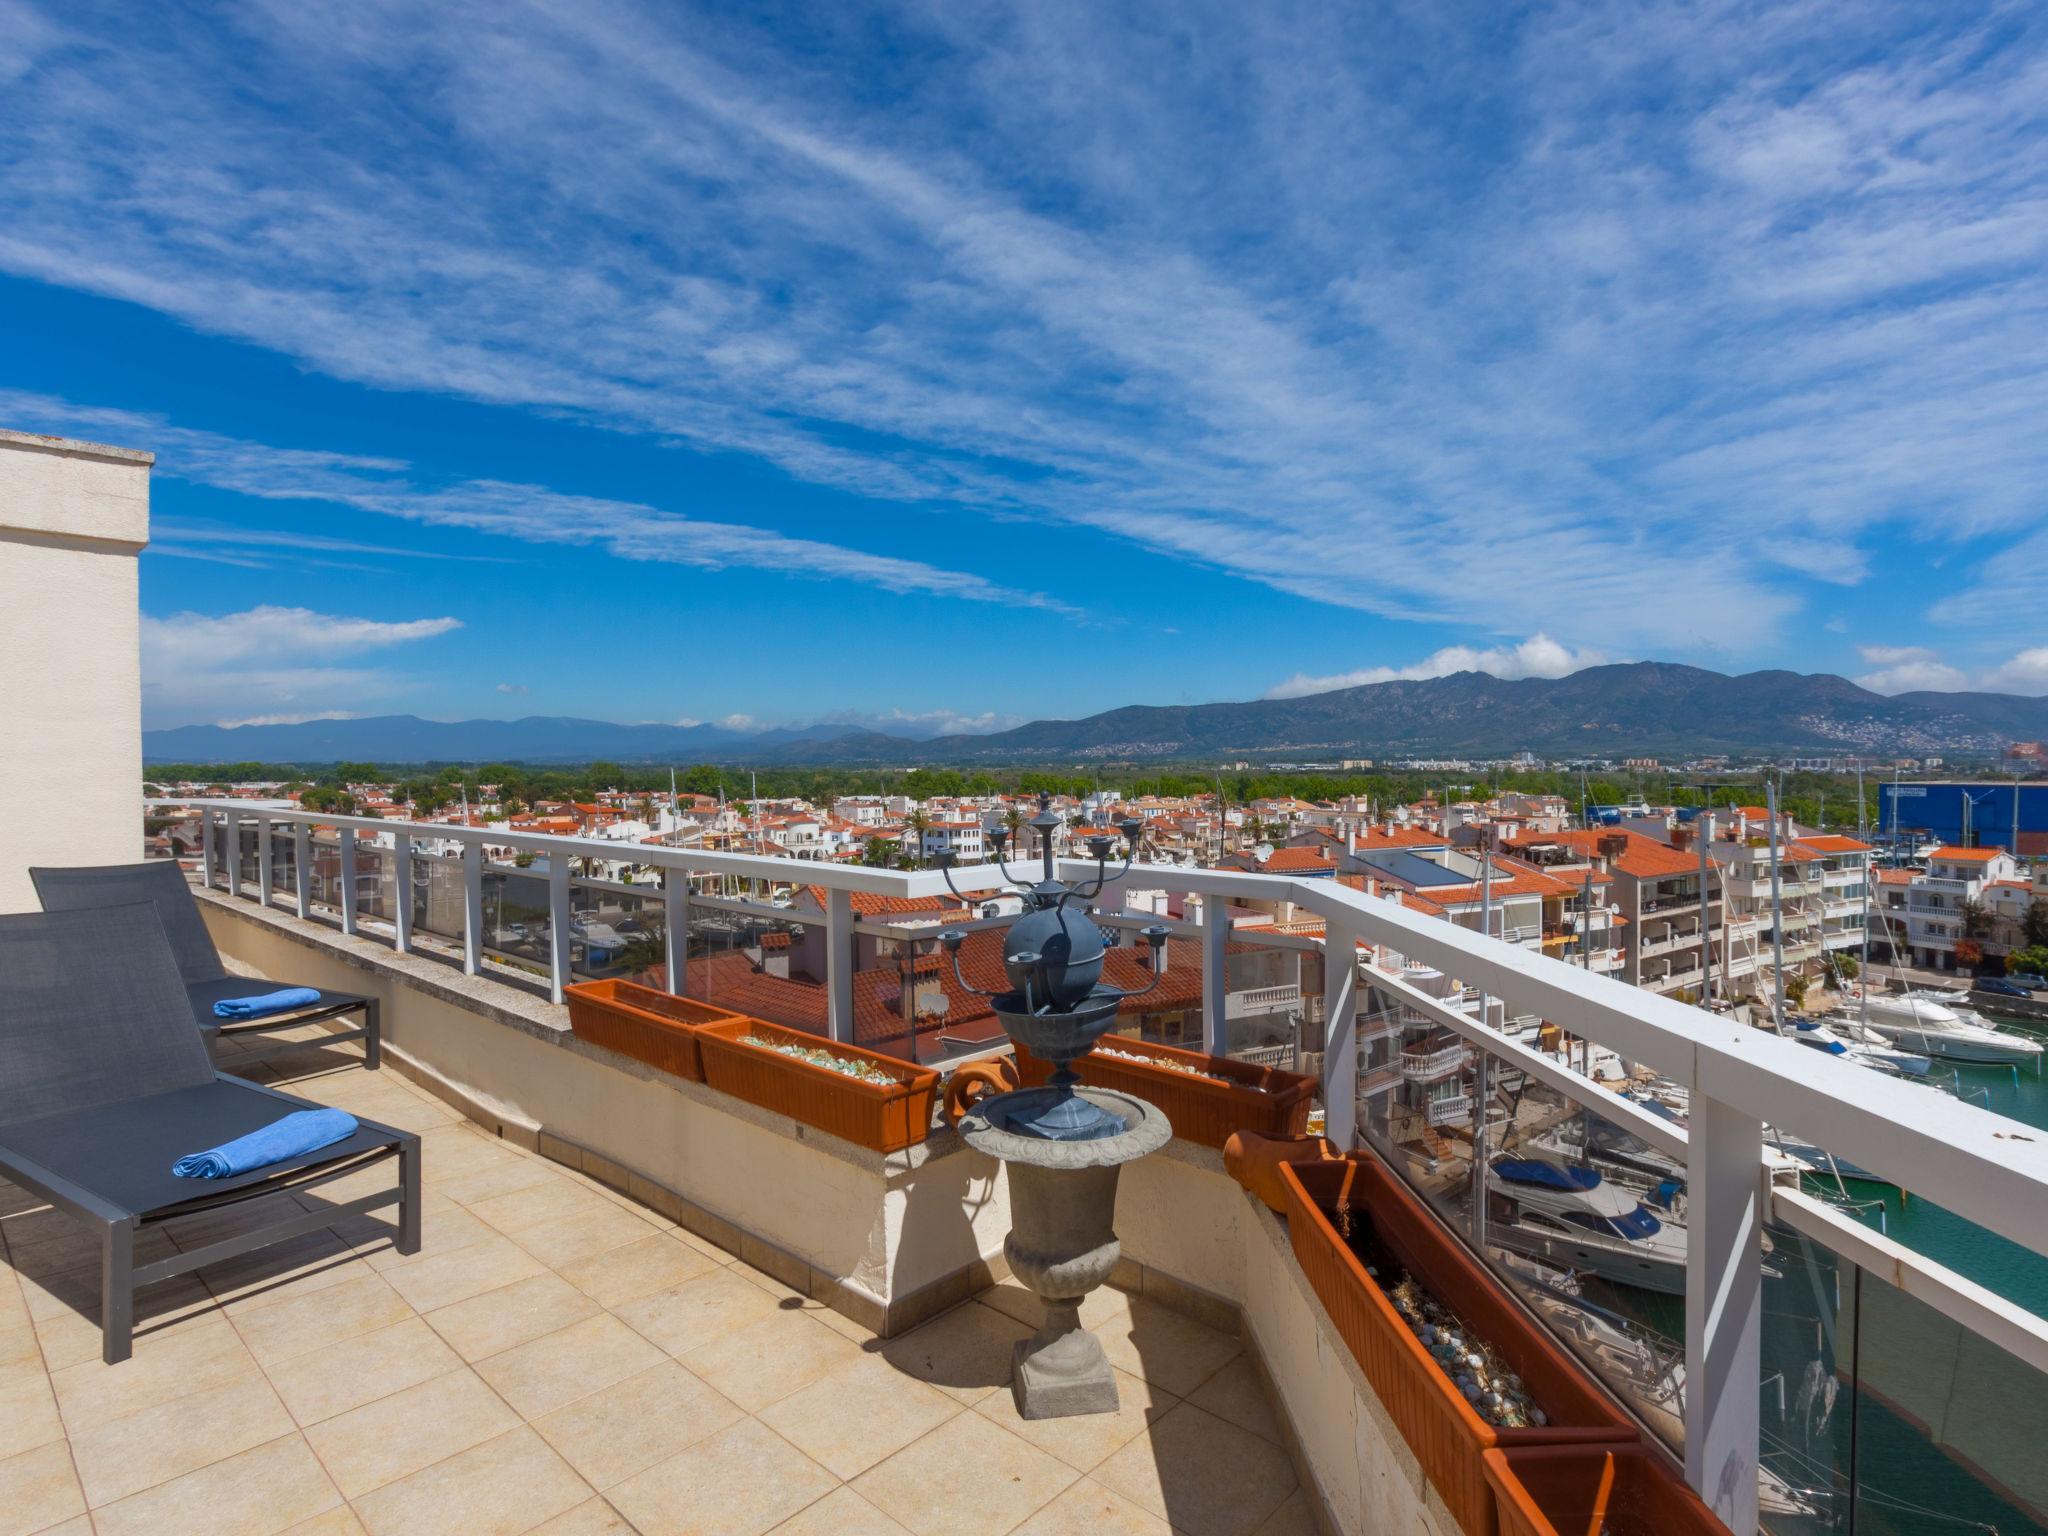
(204, 1227)
(740, 1482)
(1237, 1393)
(28, 1414)
(257, 1493)
(841, 1512)
(504, 1486)
(968, 1477)
(38, 1489)
(396, 1436)
(1202, 1474)
(67, 1312)
(1167, 1348)
(1294, 1518)
(296, 1325)
(80, 1526)
(964, 1353)
(512, 1315)
(572, 1362)
(487, 1182)
(593, 1517)
(698, 1311)
(48, 1242)
(154, 1445)
(767, 1360)
(629, 1426)
(444, 1226)
(160, 1370)
(298, 1266)
(859, 1414)
(456, 1275)
(1087, 1440)
(558, 1198)
(1089, 1509)
(596, 1231)
(336, 1522)
(461, 1150)
(704, 1245)
(637, 1269)
(331, 1380)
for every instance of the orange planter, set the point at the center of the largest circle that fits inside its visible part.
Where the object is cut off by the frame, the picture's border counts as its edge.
(888, 1119)
(1591, 1490)
(1262, 1099)
(643, 1022)
(1447, 1436)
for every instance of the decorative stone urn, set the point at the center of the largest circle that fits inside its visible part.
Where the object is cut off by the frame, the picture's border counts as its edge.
(1063, 1144)
(1062, 1241)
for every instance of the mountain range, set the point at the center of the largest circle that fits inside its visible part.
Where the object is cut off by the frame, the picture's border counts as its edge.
(1630, 709)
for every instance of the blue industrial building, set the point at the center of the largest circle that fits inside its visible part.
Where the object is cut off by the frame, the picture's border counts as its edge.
(1975, 813)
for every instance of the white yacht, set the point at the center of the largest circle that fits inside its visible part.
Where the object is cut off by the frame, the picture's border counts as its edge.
(1873, 1052)
(1920, 1021)
(1573, 1217)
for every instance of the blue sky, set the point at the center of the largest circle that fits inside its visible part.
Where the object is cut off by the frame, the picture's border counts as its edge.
(661, 362)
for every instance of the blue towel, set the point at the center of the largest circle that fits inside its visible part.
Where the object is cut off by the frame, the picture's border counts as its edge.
(258, 1004)
(303, 1130)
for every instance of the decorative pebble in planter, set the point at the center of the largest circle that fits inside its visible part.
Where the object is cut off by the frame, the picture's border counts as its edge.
(1593, 1490)
(1446, 1432)
(1205, 1097)
(858, 1095)
(644, 1023)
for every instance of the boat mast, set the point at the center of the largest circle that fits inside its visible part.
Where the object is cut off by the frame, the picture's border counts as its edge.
(1863, 954)
(1777, 917)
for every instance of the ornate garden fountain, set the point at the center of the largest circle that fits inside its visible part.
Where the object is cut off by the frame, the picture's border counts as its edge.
(1064, 1145)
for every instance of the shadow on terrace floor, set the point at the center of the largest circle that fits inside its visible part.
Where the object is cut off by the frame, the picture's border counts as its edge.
(559, 1359)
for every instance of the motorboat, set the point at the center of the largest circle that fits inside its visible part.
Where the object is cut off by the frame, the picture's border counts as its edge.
(1631, 1359)
(1874, 1053)
(1572, 1216)
(1921, 1021)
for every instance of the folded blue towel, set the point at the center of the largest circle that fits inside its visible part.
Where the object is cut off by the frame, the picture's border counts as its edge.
(260, 1003)
(303, 1130)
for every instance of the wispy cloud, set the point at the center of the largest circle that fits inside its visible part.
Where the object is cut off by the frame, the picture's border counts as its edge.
(269, 665)
(1537, 656)
(530, 514)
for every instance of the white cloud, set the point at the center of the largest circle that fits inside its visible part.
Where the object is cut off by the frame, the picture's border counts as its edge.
(513, 688)
(926, 722)
(269, 664)
(530, 514)
(1537, 656)
(1907, 668)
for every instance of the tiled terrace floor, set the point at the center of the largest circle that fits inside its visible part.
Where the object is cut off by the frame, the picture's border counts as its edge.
(557, 1359)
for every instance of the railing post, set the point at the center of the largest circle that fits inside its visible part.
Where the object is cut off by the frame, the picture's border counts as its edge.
(401, 890)
(839, 964)
(1723, 1307)
(266, 872)
(302, 867)
(232, 839)
(206, 849)
(1340, 1036)
(472, 907)
(675, 898)
(1215, 974)
(558, 925)
(348, 879)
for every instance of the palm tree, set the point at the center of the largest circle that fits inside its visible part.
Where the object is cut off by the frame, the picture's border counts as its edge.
(915, 825)
(1013, 823)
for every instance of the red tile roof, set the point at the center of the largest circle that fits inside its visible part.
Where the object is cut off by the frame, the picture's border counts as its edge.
(1965, 855)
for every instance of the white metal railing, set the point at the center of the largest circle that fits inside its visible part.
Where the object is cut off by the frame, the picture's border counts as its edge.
(1421, 1066)
(1240, 1005)
(1967, 1159)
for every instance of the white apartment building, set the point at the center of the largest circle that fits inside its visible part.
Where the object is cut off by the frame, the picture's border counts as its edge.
(1936, 900)
(964, 840)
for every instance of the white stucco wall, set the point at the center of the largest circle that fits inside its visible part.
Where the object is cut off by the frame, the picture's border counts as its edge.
(73, 518)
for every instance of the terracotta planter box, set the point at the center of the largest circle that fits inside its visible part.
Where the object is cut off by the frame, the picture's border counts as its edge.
(1262, 1099)
(1441, 1428)
(644, 1023)
(888, 1119)
(1591, 1490)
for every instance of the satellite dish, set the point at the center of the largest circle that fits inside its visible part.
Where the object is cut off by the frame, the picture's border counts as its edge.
(1263, 852)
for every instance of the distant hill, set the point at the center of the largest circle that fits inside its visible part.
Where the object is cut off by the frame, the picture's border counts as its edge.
(1634, 709)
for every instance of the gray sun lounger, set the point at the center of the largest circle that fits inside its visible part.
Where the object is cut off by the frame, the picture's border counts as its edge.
(104, 1084)
(162, 883)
